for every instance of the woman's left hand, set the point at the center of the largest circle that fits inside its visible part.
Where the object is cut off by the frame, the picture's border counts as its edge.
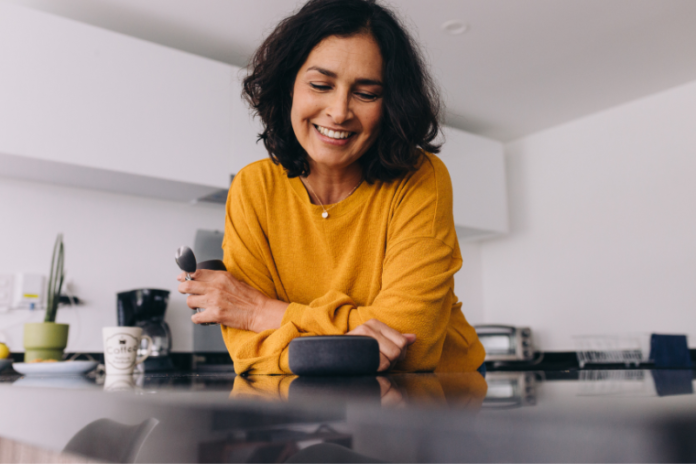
(230, 302)
(391, 396)
(392, 344)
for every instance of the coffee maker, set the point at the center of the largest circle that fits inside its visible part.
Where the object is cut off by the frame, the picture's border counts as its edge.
(145, 308)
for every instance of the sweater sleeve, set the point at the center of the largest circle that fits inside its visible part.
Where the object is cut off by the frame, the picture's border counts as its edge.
(416, 294)
(245, 248)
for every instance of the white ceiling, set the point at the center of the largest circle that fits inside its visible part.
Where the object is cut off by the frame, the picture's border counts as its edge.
(523, 65)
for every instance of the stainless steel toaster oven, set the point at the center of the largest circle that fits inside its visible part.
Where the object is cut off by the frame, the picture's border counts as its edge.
(506, 343)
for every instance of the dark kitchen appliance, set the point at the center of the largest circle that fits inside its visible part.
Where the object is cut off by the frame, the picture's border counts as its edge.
(145, 308)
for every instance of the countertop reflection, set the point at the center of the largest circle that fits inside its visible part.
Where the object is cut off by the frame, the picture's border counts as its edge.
(609, 416)
(443, 390)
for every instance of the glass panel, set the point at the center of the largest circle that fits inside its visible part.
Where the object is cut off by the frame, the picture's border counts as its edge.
(497, 344)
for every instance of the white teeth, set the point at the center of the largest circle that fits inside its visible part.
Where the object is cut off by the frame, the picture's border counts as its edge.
(333, 134)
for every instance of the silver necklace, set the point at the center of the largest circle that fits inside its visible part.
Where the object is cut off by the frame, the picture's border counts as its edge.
(325, 214)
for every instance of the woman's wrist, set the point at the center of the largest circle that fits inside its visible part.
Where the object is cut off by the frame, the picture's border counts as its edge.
(268, 315)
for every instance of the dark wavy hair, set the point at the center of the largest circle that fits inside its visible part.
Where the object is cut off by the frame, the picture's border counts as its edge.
(411, 103)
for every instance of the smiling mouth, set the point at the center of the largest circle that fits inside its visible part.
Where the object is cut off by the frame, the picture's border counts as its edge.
(338, 135)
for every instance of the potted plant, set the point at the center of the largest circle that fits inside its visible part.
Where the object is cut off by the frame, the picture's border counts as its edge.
(46, 340)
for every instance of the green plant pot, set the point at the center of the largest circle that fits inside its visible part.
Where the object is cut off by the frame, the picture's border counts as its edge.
(44, 340)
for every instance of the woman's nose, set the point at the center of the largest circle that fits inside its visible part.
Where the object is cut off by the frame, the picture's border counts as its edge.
(339, 111)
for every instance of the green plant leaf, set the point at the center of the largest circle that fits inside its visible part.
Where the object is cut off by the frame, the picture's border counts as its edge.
(55, 280)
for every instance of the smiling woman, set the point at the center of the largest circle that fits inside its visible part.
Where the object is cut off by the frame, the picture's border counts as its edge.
(337, 104)
(348, 227)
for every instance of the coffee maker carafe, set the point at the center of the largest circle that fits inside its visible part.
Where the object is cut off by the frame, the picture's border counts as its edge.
(145, 308)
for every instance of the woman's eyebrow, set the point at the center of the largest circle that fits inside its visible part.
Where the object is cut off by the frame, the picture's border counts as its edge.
(326, 72)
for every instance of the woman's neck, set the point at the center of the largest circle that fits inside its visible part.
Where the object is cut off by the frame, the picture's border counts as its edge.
(332, 185)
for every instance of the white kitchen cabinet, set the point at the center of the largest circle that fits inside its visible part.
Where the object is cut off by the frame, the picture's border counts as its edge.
(477, 168)
(88, 107)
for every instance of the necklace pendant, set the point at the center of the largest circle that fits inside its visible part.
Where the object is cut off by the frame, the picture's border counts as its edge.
(325, 214)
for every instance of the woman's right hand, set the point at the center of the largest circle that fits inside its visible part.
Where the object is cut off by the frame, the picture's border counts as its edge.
(392, 344)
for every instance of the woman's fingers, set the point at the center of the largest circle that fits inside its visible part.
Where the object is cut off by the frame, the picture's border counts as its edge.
(225, 299)
(402, 341)
(384, 359)
(395, 336)
(393, 344)
(191, 287)
(201, 275)
(213, 302)
(410, 339)
(384, 363)
(207, 281)
(209, 315)
(200, 301)
(391, 396)
(182, 277)
(206, 275)
(390, 352)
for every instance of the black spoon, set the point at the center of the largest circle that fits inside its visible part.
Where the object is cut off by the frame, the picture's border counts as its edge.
(186, 261)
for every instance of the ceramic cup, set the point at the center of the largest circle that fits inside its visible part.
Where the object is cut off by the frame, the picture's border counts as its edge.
(121, 349)
(117, 383)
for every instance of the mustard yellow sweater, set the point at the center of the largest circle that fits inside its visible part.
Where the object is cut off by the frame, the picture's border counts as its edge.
(465, 390)
(389, 251)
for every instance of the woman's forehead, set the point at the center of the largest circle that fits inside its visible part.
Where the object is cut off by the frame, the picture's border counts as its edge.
(355, 57)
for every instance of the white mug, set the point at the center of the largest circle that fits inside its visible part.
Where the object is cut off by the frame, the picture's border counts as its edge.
(117, 383)
(121, 349)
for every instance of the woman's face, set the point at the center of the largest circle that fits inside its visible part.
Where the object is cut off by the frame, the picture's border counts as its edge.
(337, 100)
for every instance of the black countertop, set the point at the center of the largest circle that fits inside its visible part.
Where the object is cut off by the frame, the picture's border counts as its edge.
(531, 416)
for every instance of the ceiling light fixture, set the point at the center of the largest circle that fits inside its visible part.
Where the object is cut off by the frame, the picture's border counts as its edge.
(455, 27)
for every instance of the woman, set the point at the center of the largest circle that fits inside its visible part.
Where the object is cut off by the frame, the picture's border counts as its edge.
(348, 227)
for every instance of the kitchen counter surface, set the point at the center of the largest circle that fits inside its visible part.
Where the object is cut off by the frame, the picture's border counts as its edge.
(588, 416)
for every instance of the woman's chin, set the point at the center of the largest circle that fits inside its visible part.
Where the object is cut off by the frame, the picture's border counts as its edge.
(331, 161)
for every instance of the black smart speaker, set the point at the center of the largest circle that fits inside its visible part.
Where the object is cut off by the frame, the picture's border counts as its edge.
(336, 389)
(334, 355)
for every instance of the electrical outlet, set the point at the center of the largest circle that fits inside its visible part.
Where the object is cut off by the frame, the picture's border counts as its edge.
(6, 282)
(29, 290)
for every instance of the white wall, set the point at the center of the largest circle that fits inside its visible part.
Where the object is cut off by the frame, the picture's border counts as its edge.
(603, 225)
(113, 242)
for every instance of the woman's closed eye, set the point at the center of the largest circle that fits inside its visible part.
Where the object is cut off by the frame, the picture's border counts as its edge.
(367, 96)
(319, 87)
(361, 95)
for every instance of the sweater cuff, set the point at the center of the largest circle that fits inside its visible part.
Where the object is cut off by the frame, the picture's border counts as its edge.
(284, 362)
(295, 314)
